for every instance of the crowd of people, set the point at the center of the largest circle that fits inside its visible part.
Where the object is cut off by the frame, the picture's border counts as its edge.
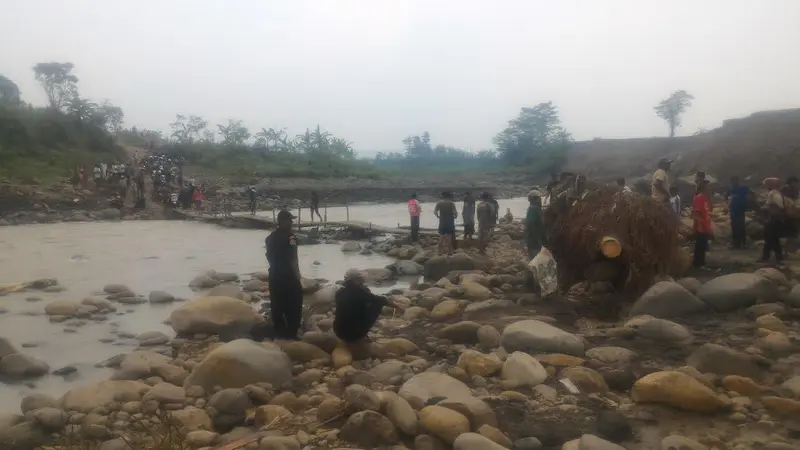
(778, 213)
(479, 216)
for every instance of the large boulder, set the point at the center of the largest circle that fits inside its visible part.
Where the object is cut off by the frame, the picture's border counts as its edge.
(678, 390)
(211, 315)
(475, 291)
(323, 299)
(6, 347)
(424, 386)
(721, 360)
(86, 398)
(438, 266)
(534, 336)
(667, 299)
(239, 363)
(19, 365)
(735, 291)
(407, 267)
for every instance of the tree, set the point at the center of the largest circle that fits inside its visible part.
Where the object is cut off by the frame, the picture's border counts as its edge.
(58, 81)
(113, 116)
(341, 148)
(234, 133)
(672, 108)
(186, 130)
(85, 111)
(9, 92)
(271, 139)
(535, 137)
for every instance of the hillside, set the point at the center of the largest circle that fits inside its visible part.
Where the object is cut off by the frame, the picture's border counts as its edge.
(763, 144)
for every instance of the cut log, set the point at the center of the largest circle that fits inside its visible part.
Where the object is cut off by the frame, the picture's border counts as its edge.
(610, 247)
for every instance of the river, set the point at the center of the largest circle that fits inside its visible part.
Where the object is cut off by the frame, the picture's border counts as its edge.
(146, 256)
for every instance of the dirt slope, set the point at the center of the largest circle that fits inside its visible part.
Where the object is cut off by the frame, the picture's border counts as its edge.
(760, 145)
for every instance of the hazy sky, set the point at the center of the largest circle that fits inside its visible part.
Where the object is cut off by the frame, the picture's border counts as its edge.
(375, 71)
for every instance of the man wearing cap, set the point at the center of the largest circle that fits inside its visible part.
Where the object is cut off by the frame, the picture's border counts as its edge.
(357, 309)
(659, 189)
(535, 236)
(285, 286)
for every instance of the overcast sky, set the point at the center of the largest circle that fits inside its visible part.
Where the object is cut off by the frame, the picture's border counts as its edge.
(375, 71)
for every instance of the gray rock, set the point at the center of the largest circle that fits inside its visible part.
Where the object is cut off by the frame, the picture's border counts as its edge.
(361, 398)
(239, 363)
(592, 442)
(23, 436)
(534, 336)
(676, 442)
(475, 441)
(528, 443)
(351, 247)
(233, 402)
(713, 358)
(424, 386)
(407, 267)
(158, 297)
(166, 393)
(488, 337)
(110, 214)
(6, 347)
(51, 419)
(666, 300)
(793, 298)
(33, 402)
(203, 282)
(23, 366)
(735, 291)
(522, 369)
(662, 330)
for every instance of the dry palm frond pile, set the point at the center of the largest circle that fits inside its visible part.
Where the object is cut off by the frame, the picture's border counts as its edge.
(645, 234)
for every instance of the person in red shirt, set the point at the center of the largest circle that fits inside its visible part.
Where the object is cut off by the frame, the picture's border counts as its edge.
(414, 209)
(701, 215)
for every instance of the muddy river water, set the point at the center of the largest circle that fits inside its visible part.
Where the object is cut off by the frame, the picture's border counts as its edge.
(146, 256)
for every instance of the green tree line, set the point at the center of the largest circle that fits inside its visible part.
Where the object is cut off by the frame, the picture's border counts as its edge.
(73, 129)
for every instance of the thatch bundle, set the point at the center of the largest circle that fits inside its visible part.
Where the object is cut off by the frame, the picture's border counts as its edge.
(631, 231)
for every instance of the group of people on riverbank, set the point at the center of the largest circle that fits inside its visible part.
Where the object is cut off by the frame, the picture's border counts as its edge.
(779, 212)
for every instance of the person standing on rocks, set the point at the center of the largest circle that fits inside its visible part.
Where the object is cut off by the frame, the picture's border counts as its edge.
(701, 215)
(446, 212)
(535, 235)
(357, 309)
(486, 220)
(660, 185)
(315, 206)
(775, 221)
(414, 210)
(791, 193)
(251, 194)
(468, 216)
(285, 284)
(738, 197)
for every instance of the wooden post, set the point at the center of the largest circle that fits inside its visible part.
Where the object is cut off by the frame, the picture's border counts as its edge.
(274, 219)
(347, 210)
(299, 220)
(325, 219)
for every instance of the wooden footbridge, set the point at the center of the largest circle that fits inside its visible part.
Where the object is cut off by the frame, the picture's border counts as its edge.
(245, 220)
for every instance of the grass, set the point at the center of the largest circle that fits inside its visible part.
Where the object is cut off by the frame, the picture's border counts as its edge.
(164, 434)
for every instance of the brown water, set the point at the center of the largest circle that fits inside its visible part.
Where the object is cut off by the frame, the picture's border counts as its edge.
(146, 256)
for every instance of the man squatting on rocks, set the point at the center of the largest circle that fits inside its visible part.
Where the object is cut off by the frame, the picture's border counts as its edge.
(535, 235)
(285, 285)
(357, 309)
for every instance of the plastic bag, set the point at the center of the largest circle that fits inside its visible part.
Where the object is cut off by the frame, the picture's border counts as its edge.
(545, 271)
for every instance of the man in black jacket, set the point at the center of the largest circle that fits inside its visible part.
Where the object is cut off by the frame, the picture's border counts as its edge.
(285, 285)
(357, 309)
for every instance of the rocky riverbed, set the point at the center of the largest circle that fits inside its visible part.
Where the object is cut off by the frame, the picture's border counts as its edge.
(476, 361)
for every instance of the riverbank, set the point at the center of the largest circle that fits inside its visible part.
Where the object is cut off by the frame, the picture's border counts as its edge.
(475, 361)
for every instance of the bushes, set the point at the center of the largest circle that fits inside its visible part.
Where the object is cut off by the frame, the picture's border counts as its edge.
(44, 144)
(243, 161)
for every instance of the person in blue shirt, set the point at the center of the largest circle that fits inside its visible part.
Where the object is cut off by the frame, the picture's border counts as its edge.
(738, 197)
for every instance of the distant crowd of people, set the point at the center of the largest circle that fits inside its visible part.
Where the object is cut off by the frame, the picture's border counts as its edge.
(779, 213)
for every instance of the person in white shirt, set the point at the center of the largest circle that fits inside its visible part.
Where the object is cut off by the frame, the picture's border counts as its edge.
(675, 200)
